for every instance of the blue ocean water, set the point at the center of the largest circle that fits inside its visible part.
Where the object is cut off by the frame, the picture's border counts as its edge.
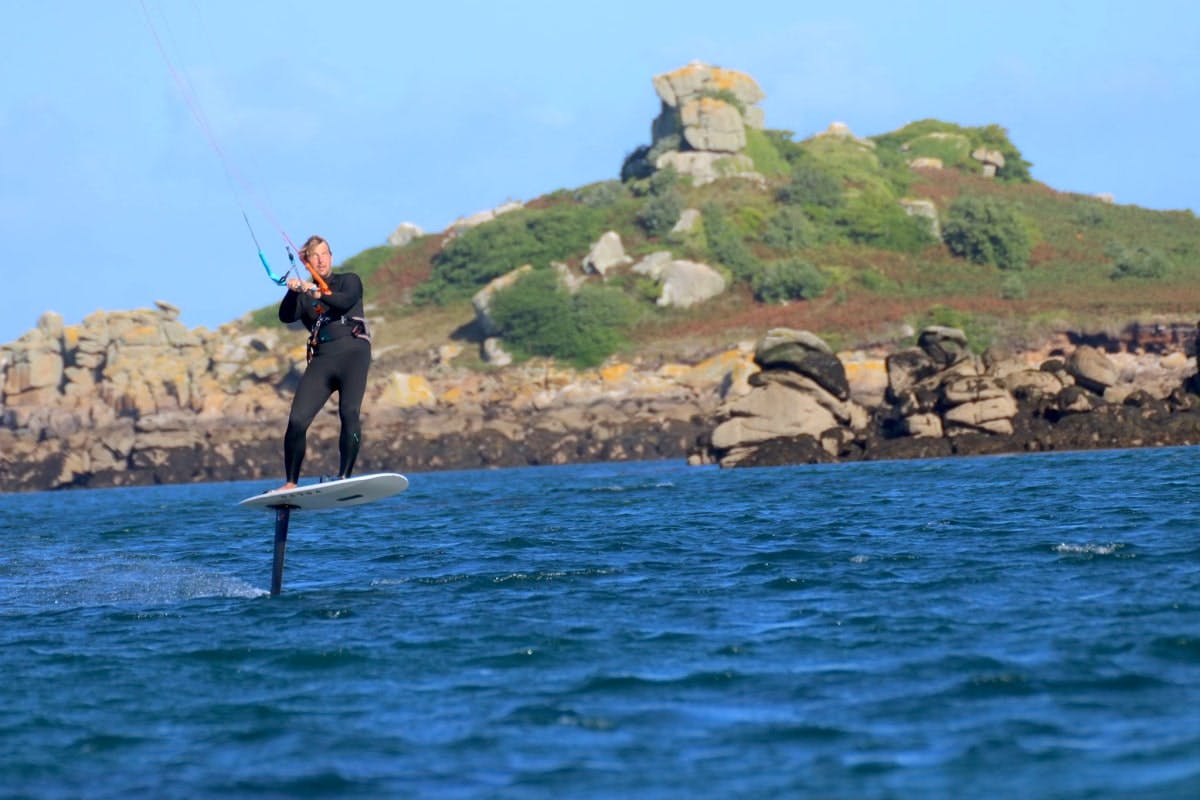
(1019, 626)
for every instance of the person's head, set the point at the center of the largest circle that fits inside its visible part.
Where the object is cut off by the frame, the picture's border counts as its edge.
(316, 254)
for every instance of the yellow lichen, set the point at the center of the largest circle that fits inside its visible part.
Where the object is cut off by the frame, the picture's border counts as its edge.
(728, 78)
(615, 373)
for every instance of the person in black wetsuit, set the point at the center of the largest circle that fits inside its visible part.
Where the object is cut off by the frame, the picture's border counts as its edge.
(339, 354)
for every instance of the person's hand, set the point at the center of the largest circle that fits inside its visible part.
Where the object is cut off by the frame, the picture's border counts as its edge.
(302, 287)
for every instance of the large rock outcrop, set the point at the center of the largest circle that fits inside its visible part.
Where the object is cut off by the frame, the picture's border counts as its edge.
(126, 391)
(940, 389)
(800, 391)
(700, 130)
(697, 81)
(607, 253)
(683, 283)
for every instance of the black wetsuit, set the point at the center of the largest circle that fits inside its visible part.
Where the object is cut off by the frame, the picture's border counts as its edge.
(341, 355)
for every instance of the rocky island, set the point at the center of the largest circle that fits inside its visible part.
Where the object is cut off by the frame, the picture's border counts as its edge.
(791, 303)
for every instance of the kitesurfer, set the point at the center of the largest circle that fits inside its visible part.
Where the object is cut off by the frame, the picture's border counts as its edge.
(339, 354)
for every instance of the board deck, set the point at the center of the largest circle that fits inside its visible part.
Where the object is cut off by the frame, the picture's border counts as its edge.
(332, 494)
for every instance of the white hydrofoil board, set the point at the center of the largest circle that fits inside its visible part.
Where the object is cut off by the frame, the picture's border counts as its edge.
(333, 494)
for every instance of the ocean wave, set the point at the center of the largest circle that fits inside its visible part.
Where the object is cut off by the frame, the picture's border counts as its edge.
(634, 683)
(1112, 548)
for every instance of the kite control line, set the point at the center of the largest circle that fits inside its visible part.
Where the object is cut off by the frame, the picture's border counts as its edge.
(231, 172)
(279, 281)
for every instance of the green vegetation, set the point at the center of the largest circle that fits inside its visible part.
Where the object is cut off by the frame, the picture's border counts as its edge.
(952, 149)
(790, 231)
(988, 231)
(786, 145)
(855, 164)
(726, 246)
(953, 144)
(660, 214)
(661, 211)
(602, 195)
(877, 220)
(767, 160)
(1013, 287)
(1137, 262)
(537, 317)
(488, 251)
(790, 279)
(811, 187)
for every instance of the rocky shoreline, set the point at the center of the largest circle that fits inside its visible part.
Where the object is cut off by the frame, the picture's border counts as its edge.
(940, 400)
(136, 398)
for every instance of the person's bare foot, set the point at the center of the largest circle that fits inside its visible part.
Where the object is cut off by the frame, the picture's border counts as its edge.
(285, 487)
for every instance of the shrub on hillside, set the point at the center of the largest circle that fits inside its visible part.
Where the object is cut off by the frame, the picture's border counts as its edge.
(726, 247)
(1013, 287)
(602, 195)
(537, 317)
(879, 221)
(660, 213)
(1136, 262)
(987, 231)
(811, 186)
(662, 183)
(789, 230)
(1089, 214)
(490, 250)
(789, 279)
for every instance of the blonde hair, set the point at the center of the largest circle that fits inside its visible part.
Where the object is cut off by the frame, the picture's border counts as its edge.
(312, 242)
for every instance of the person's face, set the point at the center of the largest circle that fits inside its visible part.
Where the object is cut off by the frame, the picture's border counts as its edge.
(320, 259)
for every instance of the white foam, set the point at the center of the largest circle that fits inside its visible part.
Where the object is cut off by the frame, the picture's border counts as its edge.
(1089, 549)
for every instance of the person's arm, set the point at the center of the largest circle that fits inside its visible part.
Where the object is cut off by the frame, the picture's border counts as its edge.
(349, 293)
(289, 307)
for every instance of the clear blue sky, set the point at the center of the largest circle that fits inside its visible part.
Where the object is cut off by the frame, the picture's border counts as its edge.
(349, 118)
